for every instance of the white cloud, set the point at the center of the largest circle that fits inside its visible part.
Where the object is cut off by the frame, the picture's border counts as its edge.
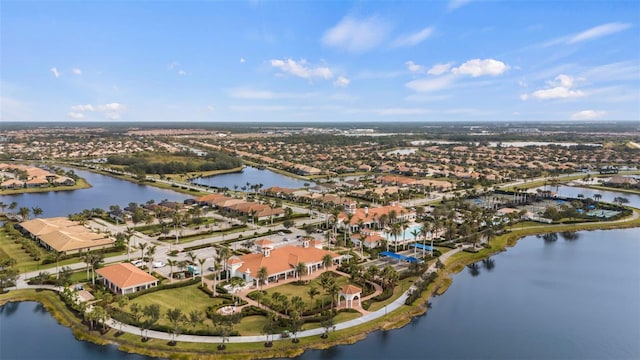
(78, 108)
(598, 31)
(477, 67)
(430, 84)
(301, 69)
(588, 115)
(589, 34)
(439, 69)
(211, 108)
(356, 35)
(454, 4)
(413, 39)
(111, 111)
(176, 66)
(111, 107)
(75, 115)
(413, 67)
(55, 72)
(77, 71)
(557, 92)
(242, 60)
(341, 81)
(560, 88)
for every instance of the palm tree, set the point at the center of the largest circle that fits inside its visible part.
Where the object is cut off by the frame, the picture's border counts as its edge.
(395, 231)
(597, 197)
(216, 269)
(36, 211)
(201, 262)
(176, 318)
(192, 257)
(151, 251)
(333, 291)
(171, 263)
(262, 276)
(415, 233)
(312, 292)
(301, 269)
(225, 254)
(142, 246)
(327, 261)
(13, 205)
(24, 213)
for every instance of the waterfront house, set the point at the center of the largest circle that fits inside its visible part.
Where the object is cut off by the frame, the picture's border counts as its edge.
(125, 278)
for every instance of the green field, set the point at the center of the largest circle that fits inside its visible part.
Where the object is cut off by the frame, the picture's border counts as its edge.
(187, 299)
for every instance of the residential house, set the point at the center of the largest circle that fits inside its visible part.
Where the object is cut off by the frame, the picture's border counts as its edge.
(125, 278)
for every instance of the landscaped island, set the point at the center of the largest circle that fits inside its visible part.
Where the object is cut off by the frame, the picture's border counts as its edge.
(179, 309)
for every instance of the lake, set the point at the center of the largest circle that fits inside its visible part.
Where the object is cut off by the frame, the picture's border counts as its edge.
(253, 176)
(27, 331)
(105, 191)
(543, 299)
(607, 196)
(562, 299)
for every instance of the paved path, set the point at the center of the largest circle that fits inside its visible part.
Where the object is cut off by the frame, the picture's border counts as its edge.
(369, 316)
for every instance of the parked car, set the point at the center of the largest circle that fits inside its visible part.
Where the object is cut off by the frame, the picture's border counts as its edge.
(158, 264)
(285, 239)
(138, 263)
(280, 233)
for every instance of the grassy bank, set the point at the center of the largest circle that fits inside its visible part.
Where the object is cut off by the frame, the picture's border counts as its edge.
(285, 348)
(80, 184)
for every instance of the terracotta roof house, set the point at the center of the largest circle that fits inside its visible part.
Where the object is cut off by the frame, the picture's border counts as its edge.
(125, 278)
(12, 184)
(371, 240)
(64, 236)
(280, 262)
(370, 217)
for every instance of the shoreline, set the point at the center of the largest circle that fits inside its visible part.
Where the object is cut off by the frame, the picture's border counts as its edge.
(80, 185)
(394, 320)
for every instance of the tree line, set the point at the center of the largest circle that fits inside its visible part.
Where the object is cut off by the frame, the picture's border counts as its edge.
(213, 161)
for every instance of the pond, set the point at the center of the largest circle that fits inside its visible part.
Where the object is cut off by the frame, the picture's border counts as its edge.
(105, 191)
(607, 196)
(252, 176)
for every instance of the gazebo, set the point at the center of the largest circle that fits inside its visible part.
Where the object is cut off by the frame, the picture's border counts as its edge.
(350, 292)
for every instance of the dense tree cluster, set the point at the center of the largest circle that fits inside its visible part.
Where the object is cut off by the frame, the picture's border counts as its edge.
(212, 161)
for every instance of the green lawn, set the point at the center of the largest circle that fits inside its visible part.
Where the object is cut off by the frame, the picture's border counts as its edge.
(9, 249)
(186, 298)
(401, 287)
(251, 325)
(292, 290)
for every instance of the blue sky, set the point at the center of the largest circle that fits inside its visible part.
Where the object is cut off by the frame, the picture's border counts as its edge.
(319, 61)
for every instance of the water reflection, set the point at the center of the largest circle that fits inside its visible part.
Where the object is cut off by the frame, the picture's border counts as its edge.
(570, 235)
(474, 269)
(489, 264)
(550, 238)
